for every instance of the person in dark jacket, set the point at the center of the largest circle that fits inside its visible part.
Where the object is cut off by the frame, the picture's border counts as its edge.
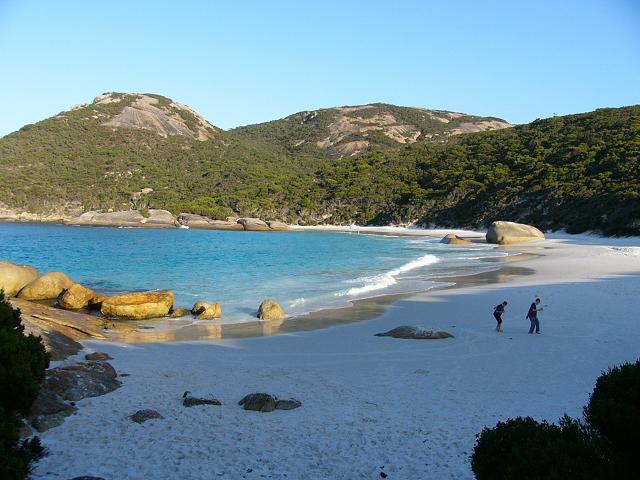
(498, 310)
(533, 316)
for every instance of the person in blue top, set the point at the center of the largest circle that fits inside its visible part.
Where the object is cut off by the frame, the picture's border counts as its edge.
(533, 316)
(498, 310)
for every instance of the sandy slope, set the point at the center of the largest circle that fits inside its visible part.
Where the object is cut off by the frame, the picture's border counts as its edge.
(408, 408)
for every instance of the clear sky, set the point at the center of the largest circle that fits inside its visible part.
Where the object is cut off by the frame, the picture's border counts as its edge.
(241, 62)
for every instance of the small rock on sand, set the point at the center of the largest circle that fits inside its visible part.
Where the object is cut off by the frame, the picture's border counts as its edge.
(415, 333)
(142, 416)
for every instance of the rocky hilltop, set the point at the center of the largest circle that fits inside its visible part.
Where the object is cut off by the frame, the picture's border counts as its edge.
(158, 114)
(349, 130)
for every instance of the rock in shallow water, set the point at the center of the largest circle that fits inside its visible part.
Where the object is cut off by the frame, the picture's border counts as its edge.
(75, 297)
(270, 310)
(138, 305)
(414, 333)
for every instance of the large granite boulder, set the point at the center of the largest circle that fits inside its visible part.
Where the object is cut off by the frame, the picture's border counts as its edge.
(138, 305)
(270, 310)
(122, 218)
(75, 297)
(505, 233)
(452, 239)
(414, 333)
(160, 218)
(213, 310)
(48, 286)
(14, 278)
(253, 224)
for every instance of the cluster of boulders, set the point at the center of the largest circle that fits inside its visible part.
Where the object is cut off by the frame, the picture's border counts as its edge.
(63, 386)
(258, 402)
(501, 233)
(26, 283)
(154, 217)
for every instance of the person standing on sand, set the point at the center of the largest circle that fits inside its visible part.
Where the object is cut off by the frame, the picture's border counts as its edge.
(498, 310)
(533, 316)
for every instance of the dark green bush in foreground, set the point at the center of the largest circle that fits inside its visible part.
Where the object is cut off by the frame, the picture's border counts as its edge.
(614, 410)
(23, 361)
(605, 447)
(522, 448)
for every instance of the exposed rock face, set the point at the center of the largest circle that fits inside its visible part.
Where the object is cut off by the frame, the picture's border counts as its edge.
(14, 278)
(138, 305)
(349, 130)
(179, 312)
(259, 402)
(253, 224)
(192, 220)
(127, 218)
(505, 233)
(452, 239)
(160, 217)
(213, 310)
(414, 333)
(276, 225)
(75, 297)
(49, 410)
(160, 115)
(270, 310)
(48, 286)
(142, 416)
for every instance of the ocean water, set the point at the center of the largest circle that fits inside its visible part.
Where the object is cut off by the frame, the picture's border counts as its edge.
(303, 271)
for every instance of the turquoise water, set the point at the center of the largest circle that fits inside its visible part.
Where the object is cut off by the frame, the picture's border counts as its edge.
(304, 271)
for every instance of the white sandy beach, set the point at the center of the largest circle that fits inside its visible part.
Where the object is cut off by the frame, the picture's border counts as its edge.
(370, 404)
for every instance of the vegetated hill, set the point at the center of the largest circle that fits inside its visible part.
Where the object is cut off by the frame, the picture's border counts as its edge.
(95, 156)
(347, 131)
(578, 172)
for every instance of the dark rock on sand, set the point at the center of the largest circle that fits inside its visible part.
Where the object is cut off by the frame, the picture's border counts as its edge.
(83, 380)
(97, 356)
(87, 477)
(289, 404)
(49, 410)
(142, 416)
(259, 402)
(189, 401)
(415, 333)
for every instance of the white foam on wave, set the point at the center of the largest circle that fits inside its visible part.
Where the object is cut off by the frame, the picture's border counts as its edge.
(387, 279)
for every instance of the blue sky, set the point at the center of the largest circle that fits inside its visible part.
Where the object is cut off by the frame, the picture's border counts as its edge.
(244, 62)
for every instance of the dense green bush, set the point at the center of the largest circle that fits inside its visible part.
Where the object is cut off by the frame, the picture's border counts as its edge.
(614, 410)
(523, 448)
(605, 447)
(23, 361)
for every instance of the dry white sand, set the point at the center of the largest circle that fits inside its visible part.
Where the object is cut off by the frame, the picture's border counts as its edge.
(370, 404)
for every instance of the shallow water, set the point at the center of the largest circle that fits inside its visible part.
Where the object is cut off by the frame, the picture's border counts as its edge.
(304, 271)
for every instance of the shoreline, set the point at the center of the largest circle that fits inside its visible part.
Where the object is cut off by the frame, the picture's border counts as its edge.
(414, 406)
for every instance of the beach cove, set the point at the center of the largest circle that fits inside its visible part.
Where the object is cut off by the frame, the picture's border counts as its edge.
(413, 406)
